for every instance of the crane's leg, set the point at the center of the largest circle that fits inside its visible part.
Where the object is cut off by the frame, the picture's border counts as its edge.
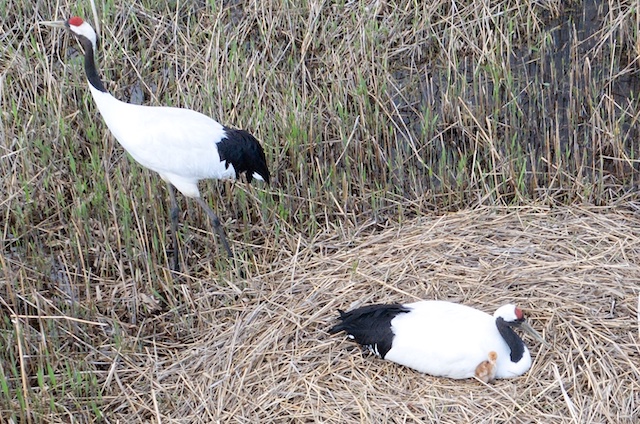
(175, 212)
(216, 225)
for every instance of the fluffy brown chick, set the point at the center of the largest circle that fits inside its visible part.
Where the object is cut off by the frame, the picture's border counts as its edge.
(486, 370)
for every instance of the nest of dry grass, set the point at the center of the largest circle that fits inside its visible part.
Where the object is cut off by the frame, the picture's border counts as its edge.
(367, 109)
(262, 353)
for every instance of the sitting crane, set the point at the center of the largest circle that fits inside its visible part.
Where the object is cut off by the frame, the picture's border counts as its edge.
(443, 338)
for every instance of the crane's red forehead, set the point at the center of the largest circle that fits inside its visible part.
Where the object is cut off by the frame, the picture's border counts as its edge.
(75, 21)
(518, 313)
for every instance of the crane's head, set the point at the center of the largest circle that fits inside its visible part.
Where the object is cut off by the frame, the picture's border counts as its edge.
(509, 313)
(78, 27)
(513, 316)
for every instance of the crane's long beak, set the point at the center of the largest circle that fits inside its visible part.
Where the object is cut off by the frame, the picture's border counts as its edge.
(55, 24)
(529, 329)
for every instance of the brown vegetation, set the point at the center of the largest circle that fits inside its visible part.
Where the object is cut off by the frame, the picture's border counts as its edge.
(479, 152)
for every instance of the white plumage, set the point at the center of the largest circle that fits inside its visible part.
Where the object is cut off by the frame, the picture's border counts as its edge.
(185, 136)
(183, 146)
(441, 338)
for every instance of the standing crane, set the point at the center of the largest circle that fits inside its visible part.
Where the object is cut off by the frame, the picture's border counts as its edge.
(443, 338)
(182, 145)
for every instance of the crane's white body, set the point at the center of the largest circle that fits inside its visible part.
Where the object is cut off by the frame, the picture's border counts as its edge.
(443, 338)
(448, 339)
(179, 144)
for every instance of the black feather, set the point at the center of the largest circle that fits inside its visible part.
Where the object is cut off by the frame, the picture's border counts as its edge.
(240, 149)
(370, 326)
(513, 340)
(89, 63)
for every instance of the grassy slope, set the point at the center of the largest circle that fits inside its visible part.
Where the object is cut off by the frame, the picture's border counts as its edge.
(370, 112)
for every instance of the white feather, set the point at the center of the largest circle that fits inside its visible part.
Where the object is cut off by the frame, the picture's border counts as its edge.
(87, 31)
(449, 339)
(179, 144)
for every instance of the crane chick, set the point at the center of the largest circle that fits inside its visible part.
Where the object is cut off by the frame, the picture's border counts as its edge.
(486, 370)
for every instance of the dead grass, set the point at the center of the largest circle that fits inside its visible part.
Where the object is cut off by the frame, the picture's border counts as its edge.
(572, 269)
(380, 119)
(262, 354)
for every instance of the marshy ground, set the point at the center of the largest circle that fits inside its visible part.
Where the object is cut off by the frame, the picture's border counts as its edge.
(479, 152)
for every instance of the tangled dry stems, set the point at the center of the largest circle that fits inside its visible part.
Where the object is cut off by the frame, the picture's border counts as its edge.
(262, 353)
(368, 111)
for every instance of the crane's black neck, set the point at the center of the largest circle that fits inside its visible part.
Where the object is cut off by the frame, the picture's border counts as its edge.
(90, 64)
(515, 343)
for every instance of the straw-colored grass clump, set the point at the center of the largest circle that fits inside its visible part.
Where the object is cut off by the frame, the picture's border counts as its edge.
(419, 150)
(262, 354)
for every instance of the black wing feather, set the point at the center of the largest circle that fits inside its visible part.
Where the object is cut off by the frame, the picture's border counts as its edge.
(241, 149)
(370, 326)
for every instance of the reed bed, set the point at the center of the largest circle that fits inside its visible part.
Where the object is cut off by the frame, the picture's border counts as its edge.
(261, 353)
(480, 152)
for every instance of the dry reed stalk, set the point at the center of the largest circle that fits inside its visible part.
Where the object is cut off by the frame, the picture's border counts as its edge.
(263, 355)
